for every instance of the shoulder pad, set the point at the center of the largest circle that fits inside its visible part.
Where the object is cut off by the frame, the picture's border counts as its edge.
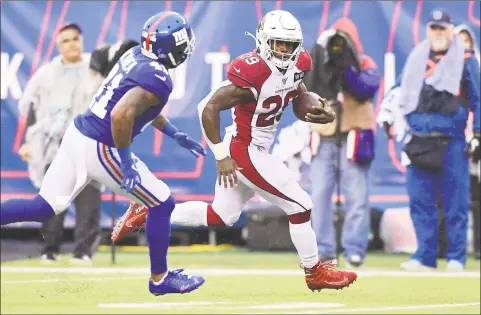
(153, 77)
(248, 70)
(304, 63)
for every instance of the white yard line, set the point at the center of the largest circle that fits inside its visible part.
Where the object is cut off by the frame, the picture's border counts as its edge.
(299, 305)
(175, 305)
(386, 308)
(230, 272)
(221, 305)
(316, 308)
(72, 280)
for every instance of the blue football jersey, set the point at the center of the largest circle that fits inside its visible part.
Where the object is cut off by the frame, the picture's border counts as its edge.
(133, 69)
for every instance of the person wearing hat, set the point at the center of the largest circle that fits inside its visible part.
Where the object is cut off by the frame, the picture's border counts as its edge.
(55, 94)
(438, 88)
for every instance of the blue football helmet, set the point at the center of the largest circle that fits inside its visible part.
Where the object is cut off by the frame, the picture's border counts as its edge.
(168, 37)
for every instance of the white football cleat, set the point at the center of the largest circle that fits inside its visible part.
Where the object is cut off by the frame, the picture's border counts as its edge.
(415, 265)
(81, 260)
(354, 261)
(454, 266)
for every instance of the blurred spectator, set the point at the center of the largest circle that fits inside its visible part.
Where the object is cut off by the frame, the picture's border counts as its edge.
(469, 40)
(56, 93)
(348, 79)
(435, 107)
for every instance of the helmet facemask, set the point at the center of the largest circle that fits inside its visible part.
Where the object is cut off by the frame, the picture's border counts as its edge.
(283, 60)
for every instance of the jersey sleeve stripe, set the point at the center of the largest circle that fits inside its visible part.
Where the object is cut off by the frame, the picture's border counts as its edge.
(139, 189)
(159, 19)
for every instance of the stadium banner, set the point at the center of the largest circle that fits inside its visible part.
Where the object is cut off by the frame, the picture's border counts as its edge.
(388, 31)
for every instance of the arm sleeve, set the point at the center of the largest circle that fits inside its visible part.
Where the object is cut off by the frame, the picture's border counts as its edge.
(472, 70)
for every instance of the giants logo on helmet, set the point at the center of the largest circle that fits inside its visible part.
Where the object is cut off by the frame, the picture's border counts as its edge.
(180, 37)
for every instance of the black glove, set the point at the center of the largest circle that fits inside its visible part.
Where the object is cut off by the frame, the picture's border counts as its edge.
(474, 149)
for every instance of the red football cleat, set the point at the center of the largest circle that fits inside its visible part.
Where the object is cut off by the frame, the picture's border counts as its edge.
(325, 276)
(134, 218)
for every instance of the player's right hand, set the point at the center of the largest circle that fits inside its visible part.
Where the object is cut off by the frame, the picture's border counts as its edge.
(227, 171)
(24, 152)
(322, 113)
(131, 176)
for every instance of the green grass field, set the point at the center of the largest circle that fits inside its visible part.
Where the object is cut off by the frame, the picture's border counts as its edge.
(237, 282)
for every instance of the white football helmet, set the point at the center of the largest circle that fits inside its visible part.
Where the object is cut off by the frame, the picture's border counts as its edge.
(282, 26)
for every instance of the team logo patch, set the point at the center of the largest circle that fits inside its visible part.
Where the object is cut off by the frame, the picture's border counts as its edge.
(284, 80)
(261, 24)
(180, 37)
(298, 76)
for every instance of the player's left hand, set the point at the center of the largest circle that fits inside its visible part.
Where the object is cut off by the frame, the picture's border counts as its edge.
(322, 113)
(187, 142)
(131, 177)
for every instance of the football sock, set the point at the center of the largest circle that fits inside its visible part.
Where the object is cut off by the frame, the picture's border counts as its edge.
(304, 239)
(157, 230)
(161, 280)
(213, 219)
(24, 210)
(191, 213)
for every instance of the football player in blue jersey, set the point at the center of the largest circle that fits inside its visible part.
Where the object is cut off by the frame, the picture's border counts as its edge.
(96, 146)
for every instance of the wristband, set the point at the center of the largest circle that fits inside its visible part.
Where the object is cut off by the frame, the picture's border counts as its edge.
(219, 151)
(170, 130)
(124, 154)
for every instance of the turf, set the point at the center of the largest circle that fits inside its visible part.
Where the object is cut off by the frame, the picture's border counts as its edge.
(65, 292)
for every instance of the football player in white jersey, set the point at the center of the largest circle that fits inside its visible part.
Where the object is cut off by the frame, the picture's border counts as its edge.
(259, 86)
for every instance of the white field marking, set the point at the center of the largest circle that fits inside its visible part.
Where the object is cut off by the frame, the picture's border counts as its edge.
(230, 272)
(162, 305)
(220, 305)
(72, 280)
(291, 306)
(386, 308)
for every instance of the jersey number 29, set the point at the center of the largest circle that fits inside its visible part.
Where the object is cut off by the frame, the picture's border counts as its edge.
(274, 115)
(105, 92)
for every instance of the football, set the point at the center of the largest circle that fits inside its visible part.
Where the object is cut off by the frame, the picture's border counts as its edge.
(303, 103)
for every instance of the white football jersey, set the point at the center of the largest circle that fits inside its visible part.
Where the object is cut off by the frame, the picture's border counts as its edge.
(256, 123)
